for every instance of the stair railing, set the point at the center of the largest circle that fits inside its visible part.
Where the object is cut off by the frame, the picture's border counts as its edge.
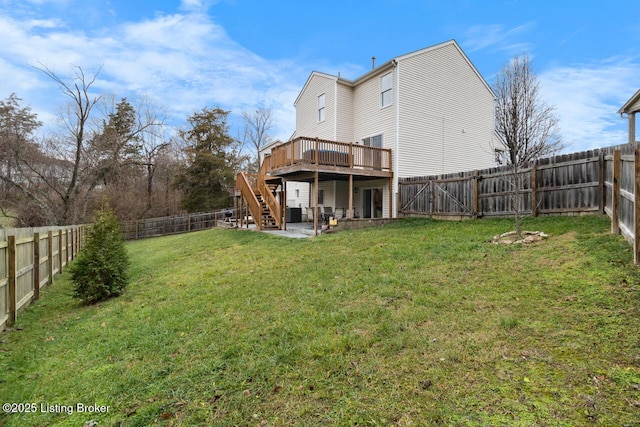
(268, 197)
(242, 183)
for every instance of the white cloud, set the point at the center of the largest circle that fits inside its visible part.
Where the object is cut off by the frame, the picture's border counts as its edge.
(183, 62)
(497, 37)
(588, 98)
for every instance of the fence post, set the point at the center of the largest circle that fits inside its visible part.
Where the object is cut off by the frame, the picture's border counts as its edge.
(36, 266)
(11, 242)
(50, 256)
(432, 203)
(636, 209)
(474, 194)
(59, 251)
(534, 190)
(73, 244)
(615, 200)
(66, 246)
(601, 188)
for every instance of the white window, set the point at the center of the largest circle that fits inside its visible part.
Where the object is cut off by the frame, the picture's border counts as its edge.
(373, 141)
(386, 89)
(321, 108)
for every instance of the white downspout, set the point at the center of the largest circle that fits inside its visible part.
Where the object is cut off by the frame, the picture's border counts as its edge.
(335, 110)
(396, 144)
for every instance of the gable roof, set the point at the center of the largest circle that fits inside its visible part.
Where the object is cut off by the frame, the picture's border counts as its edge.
(453, 43)
(392, 63)
(628, 107)
(311, 76)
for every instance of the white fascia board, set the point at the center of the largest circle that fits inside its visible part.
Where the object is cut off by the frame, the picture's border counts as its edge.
(312, 75)
(627, 105)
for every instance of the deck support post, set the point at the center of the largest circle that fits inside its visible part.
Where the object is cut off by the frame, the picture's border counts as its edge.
(315, 202)
(350, 211)
(284, 204)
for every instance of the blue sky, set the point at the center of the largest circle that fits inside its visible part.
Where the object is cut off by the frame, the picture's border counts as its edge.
(184, 55)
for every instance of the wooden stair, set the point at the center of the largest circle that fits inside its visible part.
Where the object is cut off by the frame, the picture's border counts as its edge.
(266, 219)
(261, 200)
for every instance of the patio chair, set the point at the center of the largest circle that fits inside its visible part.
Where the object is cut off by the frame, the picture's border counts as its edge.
(339, 213)
(328, 212)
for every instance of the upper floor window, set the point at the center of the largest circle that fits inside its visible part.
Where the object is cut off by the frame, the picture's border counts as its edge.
(321, 108)
(386, 89)
(373, 141)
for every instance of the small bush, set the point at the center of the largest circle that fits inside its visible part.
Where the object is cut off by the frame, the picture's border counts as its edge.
(100, 270)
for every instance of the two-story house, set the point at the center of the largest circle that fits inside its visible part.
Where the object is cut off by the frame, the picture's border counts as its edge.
(423, 113)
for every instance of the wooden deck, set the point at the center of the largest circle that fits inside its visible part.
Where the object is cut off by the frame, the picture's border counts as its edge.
(300, 158)
(309, 160)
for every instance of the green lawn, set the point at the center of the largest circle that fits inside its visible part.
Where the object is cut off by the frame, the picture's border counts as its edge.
(415, 323)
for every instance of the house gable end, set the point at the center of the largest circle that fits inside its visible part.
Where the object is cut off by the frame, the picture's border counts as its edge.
(632, 105)
(313, 75)
(460, 51)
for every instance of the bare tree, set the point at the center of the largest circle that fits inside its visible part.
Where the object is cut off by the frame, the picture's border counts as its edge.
(257, 125)
(527, 126)
(153, 147)
(120, 152)
(76, 122)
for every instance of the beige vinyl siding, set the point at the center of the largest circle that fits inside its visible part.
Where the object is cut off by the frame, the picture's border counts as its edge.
(342, 195)
(307, 108)
(445, 114)
(344, 116)
(329, 193)
(369, 118)
(635, 106)
(301, 201)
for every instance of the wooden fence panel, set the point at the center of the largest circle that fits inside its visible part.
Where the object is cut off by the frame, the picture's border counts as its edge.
(563, 184)
(569, 183)
(44, 259)
(452, 196)
(62, 247)
(496, 192)
(55, 252)
(627, 194)
(415, 196)
(24, 272)
(155, 227)
(608, 184)
(4, 283)
(29, 258)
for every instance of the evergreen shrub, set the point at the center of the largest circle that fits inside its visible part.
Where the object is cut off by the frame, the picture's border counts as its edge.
(100, 271)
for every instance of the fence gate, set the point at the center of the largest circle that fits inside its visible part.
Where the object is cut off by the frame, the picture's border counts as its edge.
(440, 197)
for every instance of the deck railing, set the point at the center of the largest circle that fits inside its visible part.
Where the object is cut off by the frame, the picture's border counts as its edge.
(269, 198)
(314, 151)
(245, 187)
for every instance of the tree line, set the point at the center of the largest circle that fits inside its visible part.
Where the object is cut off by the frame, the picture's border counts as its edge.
(120, 152)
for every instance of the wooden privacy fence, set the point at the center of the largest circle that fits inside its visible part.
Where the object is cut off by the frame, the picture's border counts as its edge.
(29, 260)
(155, 227)
(598, 181)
